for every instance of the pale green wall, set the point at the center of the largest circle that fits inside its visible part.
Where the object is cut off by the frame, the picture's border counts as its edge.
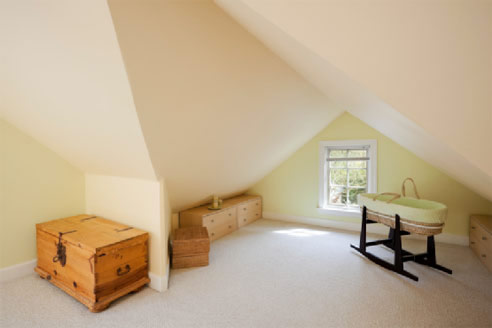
(36, 185)
(292, 188)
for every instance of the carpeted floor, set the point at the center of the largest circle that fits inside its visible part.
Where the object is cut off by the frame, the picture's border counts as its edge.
(275, 274)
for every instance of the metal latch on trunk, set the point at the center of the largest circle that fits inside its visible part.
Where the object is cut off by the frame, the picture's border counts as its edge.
(61, 255)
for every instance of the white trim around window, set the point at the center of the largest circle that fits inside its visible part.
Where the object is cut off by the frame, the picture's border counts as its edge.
(372, 170)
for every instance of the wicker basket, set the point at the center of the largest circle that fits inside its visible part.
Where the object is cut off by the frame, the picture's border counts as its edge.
(423, 217)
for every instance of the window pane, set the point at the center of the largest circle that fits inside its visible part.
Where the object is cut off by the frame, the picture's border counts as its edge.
(352, 199)
(357, 153)
(358, 178)
(357, 164)
(338, 153)
(338, 195)
(338, 164)
(338, 177)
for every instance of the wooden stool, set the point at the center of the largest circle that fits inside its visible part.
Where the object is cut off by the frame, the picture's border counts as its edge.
(190, 247)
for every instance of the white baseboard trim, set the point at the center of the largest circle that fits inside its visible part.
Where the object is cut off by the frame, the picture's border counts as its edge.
(378, 229)
(159, 283)
(17, 271)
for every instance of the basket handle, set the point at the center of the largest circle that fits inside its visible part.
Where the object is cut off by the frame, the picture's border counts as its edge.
(388, 193)
(414, 188)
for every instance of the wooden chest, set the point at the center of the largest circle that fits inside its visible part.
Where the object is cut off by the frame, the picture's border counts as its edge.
(235, 213)
(190, 247)
(92, 259)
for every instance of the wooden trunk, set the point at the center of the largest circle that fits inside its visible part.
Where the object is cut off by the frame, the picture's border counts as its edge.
(92, 259)
(190, 247)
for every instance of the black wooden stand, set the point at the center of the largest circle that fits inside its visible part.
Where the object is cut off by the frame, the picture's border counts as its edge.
(394, 242)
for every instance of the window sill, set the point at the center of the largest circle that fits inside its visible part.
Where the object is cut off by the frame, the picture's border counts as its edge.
(340, 211)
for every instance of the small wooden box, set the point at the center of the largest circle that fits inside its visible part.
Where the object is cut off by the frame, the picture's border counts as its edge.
(92, 259)
(190, 247)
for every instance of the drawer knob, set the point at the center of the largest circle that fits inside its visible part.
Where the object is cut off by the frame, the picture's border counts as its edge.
(230, 214)
(75, 284)
(256, 214)
(213, 233)
(244, 208)
(212, 220)
(244, 220)
(484, 255)
(230, 227)
(256, 203)
(472, 242)
(484, 238)
(473, 227)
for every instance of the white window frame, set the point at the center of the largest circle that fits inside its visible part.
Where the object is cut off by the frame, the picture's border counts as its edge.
(372, 171)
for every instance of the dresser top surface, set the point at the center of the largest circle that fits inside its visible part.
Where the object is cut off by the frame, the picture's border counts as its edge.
(484, 220)
(227, 203)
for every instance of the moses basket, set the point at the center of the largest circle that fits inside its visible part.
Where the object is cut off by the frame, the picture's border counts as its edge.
(419, 216)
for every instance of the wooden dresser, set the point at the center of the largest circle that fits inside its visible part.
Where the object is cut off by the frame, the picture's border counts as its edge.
(481, 238)
(235, 213)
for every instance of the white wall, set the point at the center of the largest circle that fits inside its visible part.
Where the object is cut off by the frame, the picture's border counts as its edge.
(63, 82)
(138, 203)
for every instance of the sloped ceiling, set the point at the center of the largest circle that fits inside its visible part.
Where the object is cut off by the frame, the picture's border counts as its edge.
(218, 109)
(62, 81)
(420, 73)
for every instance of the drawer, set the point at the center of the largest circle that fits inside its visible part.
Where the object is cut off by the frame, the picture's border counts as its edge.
(220, 218)
(217, 231)
(487, 260)
(475, 244)
(473, 227)
(248, 212)
(481, 235)
(481, 250)
(485, 257)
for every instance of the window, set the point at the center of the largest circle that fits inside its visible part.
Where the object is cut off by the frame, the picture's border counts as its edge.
(347, 168)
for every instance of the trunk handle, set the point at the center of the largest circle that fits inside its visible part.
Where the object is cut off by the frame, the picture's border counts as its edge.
(120, 272)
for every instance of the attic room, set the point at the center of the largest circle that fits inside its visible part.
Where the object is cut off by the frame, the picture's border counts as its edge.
(245, 163)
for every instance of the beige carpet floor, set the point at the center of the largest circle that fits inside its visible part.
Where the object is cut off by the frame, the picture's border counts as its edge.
(275, 274)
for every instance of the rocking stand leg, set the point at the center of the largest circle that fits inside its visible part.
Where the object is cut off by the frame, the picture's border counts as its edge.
(429, 258)
(431, 251)
(397, 245)
(393, 242)
(362, 243)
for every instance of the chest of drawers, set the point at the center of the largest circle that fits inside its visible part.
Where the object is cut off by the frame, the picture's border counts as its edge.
(481, 238)
(235, 213)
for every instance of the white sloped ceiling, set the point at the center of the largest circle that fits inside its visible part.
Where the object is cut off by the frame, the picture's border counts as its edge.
(209, 108)
(218, 109)
(421, 73)
(62, 81)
